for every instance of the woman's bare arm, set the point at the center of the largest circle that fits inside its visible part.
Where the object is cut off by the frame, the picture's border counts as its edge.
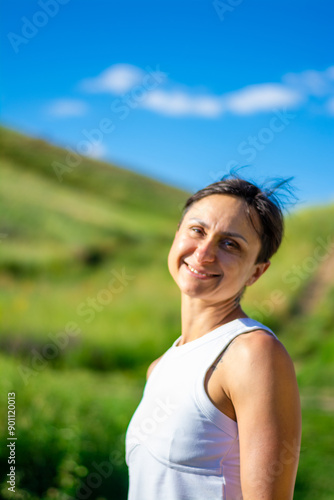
(264, 392)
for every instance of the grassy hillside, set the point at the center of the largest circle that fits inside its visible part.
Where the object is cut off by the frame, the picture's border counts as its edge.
(65, 240)
(86, 303)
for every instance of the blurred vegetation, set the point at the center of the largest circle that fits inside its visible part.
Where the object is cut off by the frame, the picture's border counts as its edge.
(86, 303)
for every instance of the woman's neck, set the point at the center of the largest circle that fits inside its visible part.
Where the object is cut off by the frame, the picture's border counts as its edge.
(199, 318)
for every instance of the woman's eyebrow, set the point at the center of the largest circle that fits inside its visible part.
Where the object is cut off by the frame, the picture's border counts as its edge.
(234, 235)
(223, 233)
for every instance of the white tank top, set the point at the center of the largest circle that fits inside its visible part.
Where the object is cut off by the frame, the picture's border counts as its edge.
(179, 446)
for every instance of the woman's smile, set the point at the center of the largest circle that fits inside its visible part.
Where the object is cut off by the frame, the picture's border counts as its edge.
(199, 273)
(215, 246)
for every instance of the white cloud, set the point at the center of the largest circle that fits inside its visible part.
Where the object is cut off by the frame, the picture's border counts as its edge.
(261, 98)
(330, 72)
(179, 103)
(330, 106)
(169, 98)
(117, 79)
(312, 82)
(252, 99)
(97, 150)
(67, 107)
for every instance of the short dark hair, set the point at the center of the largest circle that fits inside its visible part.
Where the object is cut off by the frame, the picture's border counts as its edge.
(263, 201)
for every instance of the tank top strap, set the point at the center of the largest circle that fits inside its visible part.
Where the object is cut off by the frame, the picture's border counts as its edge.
(225, 334)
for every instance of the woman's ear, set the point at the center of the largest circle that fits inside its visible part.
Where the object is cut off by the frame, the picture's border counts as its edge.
(259, 270)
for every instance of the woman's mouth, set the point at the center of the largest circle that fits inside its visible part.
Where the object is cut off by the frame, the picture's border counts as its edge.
(198, 273)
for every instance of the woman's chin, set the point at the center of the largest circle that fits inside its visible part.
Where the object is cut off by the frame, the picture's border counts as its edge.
(191, 289)
(197, 289)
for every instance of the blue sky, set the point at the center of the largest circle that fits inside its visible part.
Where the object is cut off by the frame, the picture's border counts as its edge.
(178, 90)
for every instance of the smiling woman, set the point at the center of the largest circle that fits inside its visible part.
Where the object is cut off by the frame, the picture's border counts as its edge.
(220, 414)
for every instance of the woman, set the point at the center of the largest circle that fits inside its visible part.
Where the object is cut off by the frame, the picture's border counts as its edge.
(220, 414)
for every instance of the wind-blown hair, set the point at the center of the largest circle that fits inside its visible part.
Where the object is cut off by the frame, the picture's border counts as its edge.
(263, 201)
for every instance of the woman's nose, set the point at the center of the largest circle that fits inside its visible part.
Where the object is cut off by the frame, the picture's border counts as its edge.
(205, 252)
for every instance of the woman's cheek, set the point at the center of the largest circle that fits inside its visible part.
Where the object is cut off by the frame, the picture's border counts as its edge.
(174, 256)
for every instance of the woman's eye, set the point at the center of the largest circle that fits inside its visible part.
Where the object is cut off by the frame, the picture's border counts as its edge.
(197, 230)
(229, 244)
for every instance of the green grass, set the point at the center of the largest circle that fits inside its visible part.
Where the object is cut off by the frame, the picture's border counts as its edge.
(66, 421)
(78, 369)
(315, 473)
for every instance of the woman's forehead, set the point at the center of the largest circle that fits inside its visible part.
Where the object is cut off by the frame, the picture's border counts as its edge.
(223, 209)
(220, 205)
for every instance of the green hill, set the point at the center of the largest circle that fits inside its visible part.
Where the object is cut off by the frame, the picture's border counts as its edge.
(87, 304)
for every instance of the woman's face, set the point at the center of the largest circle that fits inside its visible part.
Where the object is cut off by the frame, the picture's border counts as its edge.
(215, 248)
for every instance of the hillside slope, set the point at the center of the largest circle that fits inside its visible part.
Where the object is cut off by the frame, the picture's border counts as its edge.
(86, 303)
(97, 208)
(61, 238)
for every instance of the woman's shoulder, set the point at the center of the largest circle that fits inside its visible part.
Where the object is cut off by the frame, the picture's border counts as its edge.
(152, 366)
(257, 355)
(257, 344)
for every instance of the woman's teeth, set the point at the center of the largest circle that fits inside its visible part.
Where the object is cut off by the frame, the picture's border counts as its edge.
(197, 272)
